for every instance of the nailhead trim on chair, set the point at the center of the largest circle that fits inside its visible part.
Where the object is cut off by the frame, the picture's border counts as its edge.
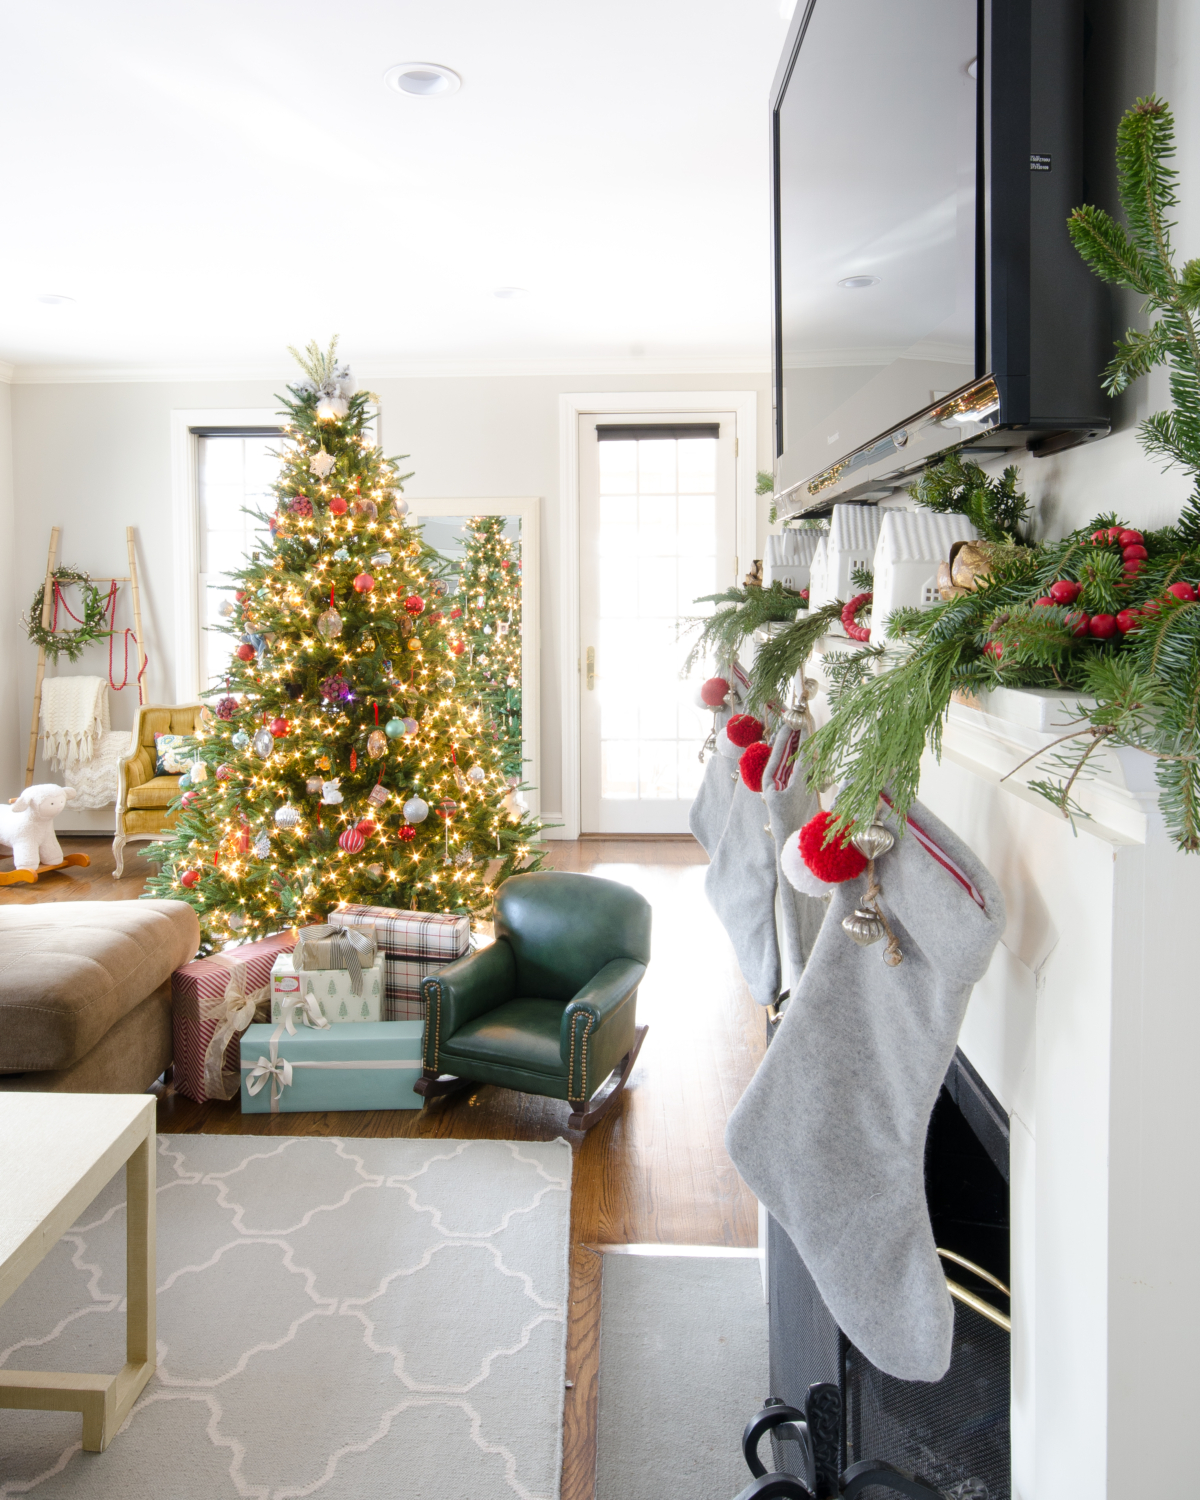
(590, 1021)
(433, 987)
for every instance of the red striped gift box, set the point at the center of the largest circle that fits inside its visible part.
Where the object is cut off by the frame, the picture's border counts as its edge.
(414, 944)
(215, 994)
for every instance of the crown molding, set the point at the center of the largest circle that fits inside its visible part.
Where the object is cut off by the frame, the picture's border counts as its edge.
(369, 371)
(7, 372)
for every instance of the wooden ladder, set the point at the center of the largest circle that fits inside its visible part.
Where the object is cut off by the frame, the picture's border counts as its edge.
(130, 578)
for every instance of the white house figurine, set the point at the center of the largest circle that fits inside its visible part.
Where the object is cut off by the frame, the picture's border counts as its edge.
(911, 545)
(853, 533)
(789, 558)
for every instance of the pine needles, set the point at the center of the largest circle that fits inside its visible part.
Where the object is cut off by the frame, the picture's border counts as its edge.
(959, 486)
(720, 634)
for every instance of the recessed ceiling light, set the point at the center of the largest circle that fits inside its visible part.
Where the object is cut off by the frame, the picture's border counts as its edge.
(423, 80)
(857, 283)
(55, 299)
(510, 293)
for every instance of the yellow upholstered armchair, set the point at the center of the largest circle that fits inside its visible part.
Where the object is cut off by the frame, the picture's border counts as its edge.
(143, 796)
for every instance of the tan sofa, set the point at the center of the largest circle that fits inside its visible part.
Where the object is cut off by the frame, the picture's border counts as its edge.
(143, 796)
(85, 993)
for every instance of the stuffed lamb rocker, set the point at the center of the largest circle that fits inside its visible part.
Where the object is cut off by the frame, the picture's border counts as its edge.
(27, 825)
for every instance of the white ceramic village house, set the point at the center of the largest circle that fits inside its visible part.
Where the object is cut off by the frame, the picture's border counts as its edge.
(789, 558)
(850, 543)
(911, 545)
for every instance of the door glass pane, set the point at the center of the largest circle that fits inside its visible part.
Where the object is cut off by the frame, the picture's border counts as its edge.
(658, 551)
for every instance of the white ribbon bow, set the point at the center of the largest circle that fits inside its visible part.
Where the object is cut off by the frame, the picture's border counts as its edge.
(236, 1013)
(276, 1068)
(311, 1013)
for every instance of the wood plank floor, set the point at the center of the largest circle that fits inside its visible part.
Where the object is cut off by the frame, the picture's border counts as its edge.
(655, 1170)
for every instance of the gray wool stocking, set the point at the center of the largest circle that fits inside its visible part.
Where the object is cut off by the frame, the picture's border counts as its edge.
(709, 811)
(740, 886)
(790, 804)
(830, 1134)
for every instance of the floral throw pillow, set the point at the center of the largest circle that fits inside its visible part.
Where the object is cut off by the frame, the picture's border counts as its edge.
(172, 758)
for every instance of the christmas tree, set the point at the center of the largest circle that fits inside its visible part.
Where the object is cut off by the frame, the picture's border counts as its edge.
(346, 760)
(487, 610)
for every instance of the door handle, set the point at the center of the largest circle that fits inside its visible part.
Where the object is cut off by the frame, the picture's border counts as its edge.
(591, 668)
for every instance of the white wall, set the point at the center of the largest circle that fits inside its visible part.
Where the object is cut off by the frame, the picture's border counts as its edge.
(10, 629)
(94, 458)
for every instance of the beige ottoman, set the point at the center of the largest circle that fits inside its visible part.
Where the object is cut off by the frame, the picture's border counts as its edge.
(85, 993)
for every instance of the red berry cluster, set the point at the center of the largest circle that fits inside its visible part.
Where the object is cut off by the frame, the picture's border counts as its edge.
(1065, 591)
(1131, 543)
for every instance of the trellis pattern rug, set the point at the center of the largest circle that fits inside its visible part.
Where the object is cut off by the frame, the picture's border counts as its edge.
(335, 1317)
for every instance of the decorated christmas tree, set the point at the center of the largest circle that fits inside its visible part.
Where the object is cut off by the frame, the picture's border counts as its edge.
(345, 759)
(487, 612)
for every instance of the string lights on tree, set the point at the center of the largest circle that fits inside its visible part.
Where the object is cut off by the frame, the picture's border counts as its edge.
(348, 711)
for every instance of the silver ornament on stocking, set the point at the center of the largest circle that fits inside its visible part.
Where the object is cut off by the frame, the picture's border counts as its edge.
(864, 926)
(873, 840)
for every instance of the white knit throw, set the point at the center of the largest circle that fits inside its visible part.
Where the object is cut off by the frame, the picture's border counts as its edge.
(74, 716)
(97, 781)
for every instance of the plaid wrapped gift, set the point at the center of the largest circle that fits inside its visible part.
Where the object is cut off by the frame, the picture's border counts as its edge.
(213, 1000)
(414, 944)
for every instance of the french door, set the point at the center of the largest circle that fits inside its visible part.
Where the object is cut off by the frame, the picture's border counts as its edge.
(657, 529)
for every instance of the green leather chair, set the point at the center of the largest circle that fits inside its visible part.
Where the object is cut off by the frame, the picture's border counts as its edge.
(551, 1006)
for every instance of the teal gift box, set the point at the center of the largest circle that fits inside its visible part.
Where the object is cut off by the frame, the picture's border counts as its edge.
(364, 1065)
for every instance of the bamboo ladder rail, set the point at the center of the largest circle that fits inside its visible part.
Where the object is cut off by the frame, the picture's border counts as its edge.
(47, 596)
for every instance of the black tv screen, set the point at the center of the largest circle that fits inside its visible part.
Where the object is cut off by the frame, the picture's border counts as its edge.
(907, 318)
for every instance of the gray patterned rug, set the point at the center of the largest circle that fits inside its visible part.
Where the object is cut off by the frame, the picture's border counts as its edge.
(339, 1318)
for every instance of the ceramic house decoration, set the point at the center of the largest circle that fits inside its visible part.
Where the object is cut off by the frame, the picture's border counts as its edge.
(911, 545)
(789, 558)
(850, 544)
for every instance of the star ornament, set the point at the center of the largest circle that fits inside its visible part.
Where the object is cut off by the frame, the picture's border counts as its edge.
(321, 463)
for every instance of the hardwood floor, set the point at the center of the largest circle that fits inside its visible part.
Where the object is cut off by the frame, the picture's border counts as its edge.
(655, 1170)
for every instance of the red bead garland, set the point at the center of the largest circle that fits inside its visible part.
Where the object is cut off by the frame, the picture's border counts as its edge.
(850, 625)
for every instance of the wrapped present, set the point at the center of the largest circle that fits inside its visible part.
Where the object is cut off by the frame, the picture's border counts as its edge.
(329, 993)
(414, 944)
(213, 1000)
(371, 1066)
(336, 947)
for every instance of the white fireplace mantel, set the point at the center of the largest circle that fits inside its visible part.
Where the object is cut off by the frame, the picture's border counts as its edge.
(1087, 1029)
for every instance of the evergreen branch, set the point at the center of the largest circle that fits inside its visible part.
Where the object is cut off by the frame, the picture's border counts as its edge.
(1137, 354)
(779, 659)
(720, 634)
(1108, 250)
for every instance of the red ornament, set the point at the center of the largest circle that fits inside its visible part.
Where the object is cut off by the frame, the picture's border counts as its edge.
(1078, 623)
(351, 841)
(436, 617)
(354, 760)
(365, 827)
(744, 730)
(406, 834)
(302, 506)
(714, 692)
(364, 583)
(833, 862)
(279, 727)
(753, 763)
(188, 798)
(414, 604)
(190, 878)
(459, 647)
(456, 613)
(240, 596)
(1129, 620)
(1182, 591)
(338, 506)
(850, 625)
(245, 651)
(1065, 591)
(1103, 627)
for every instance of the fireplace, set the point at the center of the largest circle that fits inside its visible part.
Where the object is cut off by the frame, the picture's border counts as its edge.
(954, 1433)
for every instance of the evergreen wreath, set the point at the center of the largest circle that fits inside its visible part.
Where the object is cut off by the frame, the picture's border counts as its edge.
(1108, 611)
(69, 643)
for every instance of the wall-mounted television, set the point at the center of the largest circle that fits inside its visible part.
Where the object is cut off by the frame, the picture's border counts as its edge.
(926, 154)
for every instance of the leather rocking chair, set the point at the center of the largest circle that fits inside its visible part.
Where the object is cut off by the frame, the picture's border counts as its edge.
(551, 1006)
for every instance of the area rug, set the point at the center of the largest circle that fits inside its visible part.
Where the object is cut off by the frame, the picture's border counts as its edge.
(683, 1367)
(340, 1318)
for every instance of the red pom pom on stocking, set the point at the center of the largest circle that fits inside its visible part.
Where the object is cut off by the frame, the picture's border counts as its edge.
(744, 730)
(833, 862)
(712, 693)
(753, 763)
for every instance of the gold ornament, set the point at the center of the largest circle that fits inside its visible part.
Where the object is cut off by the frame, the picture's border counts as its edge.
(376, 744)
(323, 763)
(368, 643)
(865, 926)
(415, 643)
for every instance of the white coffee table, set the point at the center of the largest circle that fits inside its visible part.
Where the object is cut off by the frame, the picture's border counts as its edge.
(58, 1151)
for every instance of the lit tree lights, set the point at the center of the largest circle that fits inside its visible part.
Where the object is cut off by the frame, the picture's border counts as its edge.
(487, 612)
(348, 758)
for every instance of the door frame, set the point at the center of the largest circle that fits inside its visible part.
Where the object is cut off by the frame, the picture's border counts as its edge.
(744, 405)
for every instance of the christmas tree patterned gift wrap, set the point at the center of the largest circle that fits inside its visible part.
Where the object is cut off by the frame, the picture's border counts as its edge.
(370, 1066)
(213, 1000)
(331, 991)
(415, 944)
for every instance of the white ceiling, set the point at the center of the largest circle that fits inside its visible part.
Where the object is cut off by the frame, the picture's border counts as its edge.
(211, 182)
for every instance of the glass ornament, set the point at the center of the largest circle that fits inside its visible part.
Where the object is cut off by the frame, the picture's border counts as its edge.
(410, 725)
(439, 588)
(313, 785)
(394, 728)
(414, 643)
(368, 643)
(381, 559)
(263, 743)
(240, 740)
(476, 774)
(445, 680)
(415, 810)
(287, 816)
(376, 871)
(376, 744)
(225, 609)
(366, 508)
(224, 772)
(185, 781)
(236, 921)
(364, 583)
(329, 624)
(341, 555)
(351, 841)
(406, 834)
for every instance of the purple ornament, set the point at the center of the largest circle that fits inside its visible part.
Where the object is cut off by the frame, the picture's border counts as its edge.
(301, 506)
(226, 708)
(335, 689)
